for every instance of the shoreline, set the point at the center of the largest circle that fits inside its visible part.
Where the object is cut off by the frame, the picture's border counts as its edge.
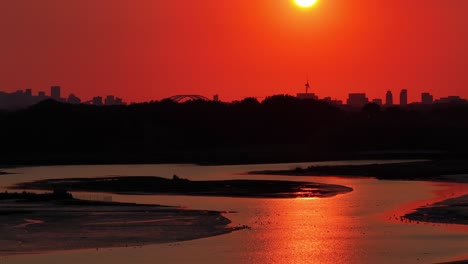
(40, 223)
(431, 170)
(227, 156)
(139, 185)
(449, 211)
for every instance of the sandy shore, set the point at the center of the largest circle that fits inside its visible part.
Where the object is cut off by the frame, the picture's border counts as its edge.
(42, 225)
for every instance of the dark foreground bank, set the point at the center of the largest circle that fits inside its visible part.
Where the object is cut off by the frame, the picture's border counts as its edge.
(179, 186)
(33, 223)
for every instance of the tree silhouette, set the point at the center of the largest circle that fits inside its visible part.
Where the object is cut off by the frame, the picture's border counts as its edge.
(281, 127)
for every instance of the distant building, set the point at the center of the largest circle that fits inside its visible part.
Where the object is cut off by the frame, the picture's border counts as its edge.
(357, 99)
(19, 99)
(110, 100)
(216, 98)
(389, 98)
(28, 92)
(55, 92)
(404, 97)
(307, 96)
(453, 99)
(332, 101)
(72, 99)
(377, 101)
(427, 98)
(97, 100)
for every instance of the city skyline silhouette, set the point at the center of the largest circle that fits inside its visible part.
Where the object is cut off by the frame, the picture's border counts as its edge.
(25, 98)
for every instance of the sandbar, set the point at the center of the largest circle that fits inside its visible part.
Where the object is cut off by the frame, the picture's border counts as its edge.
(450, 211)
(38, 223)
(179, 186)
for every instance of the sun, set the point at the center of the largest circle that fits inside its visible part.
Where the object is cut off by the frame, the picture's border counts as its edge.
(305, 3)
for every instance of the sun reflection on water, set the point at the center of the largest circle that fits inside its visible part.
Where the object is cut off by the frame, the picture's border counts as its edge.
(301, 231)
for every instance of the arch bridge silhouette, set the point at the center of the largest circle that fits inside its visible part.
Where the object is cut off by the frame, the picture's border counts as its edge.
(178, 98)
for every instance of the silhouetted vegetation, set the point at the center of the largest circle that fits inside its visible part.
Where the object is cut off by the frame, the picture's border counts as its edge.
(281, 128)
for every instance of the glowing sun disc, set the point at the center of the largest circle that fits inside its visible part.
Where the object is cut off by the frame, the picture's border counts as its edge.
(305, 3)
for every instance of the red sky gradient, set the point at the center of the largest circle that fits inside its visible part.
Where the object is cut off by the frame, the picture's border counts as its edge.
(151, 49)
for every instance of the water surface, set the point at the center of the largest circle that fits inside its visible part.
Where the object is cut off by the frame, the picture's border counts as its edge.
(359, 227)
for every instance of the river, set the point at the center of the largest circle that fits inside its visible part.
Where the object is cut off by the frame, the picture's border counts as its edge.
(358, 227)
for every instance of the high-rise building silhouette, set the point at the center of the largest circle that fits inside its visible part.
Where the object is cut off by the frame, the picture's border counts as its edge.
(55, 92)
(377, 101)
(404, 97)
(357, 99)
(28, 92)
(97, 100)
(110, 100)
(389, 98)
(427, 98)
(25, 98)
(452, 99)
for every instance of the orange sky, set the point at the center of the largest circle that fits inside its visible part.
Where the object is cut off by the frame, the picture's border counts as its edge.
(151, 49)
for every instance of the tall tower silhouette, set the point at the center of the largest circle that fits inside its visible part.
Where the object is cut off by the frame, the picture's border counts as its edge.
(55, 92)
(307, 85)
(404, 97)
(389, 98)
(307, 95)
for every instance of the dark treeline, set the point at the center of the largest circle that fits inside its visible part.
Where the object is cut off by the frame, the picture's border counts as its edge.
(281, 128)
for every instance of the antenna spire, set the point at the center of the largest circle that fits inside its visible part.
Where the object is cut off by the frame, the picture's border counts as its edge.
(307, 86)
